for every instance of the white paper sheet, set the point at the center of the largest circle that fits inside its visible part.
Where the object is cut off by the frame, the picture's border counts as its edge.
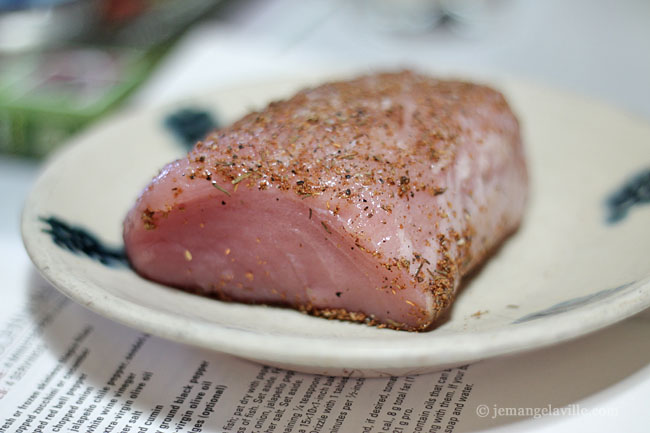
(65, 369)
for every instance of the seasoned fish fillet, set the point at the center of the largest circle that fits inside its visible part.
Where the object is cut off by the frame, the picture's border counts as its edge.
(362, 200)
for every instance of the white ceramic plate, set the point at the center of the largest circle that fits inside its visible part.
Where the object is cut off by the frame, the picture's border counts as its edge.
(567, 272)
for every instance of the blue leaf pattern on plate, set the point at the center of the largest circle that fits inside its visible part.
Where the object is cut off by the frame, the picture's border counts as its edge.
(634, 192)
(190, 125)
(79, 241)
(572, 303)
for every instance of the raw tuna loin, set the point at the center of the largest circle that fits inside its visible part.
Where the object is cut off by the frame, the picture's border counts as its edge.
(362, 200)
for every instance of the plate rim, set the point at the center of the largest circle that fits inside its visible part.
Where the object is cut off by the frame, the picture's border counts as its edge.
(236, 341)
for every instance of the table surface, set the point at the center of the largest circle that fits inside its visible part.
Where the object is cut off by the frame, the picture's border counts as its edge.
(597, 49)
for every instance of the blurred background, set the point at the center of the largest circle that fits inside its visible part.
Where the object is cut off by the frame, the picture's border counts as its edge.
(64, 64)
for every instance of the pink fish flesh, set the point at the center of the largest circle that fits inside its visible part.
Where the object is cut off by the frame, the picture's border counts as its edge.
(362, 200)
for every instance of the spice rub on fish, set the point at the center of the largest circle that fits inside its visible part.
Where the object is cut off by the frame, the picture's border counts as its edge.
(362, 200)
